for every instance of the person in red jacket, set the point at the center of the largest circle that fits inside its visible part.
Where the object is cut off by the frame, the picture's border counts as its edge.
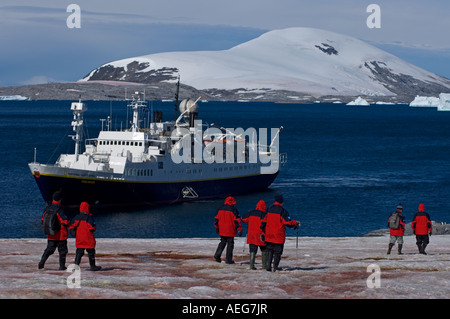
(396, 235)
(58, 240)
(227, 223)
(254, 218)
(83, 226)
(421, 226)
(274, 231)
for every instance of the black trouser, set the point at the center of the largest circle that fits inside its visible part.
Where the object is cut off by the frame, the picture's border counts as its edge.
(225, 241)
(51, 247)
(80, 253)
(274, 252)
(254, 248)
(422, 242)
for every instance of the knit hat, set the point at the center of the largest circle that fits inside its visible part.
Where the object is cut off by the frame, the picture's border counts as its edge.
(57, 196)
(279, 198)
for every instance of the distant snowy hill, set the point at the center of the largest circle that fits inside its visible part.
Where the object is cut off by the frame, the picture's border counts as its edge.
(305, 60)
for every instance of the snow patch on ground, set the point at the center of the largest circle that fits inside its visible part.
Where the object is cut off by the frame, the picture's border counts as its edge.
(185, 268)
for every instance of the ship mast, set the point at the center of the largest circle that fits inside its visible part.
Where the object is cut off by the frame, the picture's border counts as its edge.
(136, 105)
(78, 109)
(176, 99)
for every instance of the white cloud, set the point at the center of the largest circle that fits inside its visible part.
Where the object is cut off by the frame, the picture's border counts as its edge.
(36, 31)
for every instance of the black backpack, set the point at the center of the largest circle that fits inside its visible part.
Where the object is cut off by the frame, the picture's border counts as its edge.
(51, 223)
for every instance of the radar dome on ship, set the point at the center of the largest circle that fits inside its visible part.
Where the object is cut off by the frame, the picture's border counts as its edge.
(190, 105)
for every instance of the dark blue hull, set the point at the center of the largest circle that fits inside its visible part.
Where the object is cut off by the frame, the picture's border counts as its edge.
(109, 193)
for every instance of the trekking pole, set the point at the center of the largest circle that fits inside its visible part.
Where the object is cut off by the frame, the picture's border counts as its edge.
(296, 242)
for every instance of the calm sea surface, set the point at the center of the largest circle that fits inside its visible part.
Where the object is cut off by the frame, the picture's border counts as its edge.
(348, 167)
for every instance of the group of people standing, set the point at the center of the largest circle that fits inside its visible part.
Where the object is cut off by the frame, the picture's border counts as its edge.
(266, 230)
(82, 226)
(421, 225)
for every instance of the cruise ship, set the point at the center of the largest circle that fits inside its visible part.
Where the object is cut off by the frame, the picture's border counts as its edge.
(163, 163)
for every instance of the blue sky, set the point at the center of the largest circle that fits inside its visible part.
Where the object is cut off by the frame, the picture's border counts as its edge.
(37, 46)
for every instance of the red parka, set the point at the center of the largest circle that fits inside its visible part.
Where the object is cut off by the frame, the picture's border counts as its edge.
(254, 218)
(62, 234)
(85, 227)
(421, 223)
(275, 222)
(227, 220)
(400, 231)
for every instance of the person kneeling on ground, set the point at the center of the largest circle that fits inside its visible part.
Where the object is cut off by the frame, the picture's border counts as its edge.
(83, 227)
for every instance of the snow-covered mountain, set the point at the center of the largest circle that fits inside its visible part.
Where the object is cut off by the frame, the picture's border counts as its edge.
(305, 60)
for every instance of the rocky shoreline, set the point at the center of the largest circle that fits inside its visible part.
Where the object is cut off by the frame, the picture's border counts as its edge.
(439, 228)
(117, 90)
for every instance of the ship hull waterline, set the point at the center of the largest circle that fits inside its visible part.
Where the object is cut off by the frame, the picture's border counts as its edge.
(105, 193)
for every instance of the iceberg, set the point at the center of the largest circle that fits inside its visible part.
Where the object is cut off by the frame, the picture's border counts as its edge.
(425, 101)
(13, 98)
(444, 102)
(359, 101)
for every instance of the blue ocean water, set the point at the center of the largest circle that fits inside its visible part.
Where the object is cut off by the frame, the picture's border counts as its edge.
(348, 167)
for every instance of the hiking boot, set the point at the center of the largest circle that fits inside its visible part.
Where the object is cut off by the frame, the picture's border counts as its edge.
(95, 268)
(390, 248)
(252, 261)
(264, 259)
(92, 264)
(421, 251)
(44, 258)
(400, 246)
(62, 263)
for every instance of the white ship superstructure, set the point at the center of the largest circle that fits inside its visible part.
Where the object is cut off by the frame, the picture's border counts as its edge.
(137, 166)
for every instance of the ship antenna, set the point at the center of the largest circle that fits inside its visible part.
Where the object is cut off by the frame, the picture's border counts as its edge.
(176, 99)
